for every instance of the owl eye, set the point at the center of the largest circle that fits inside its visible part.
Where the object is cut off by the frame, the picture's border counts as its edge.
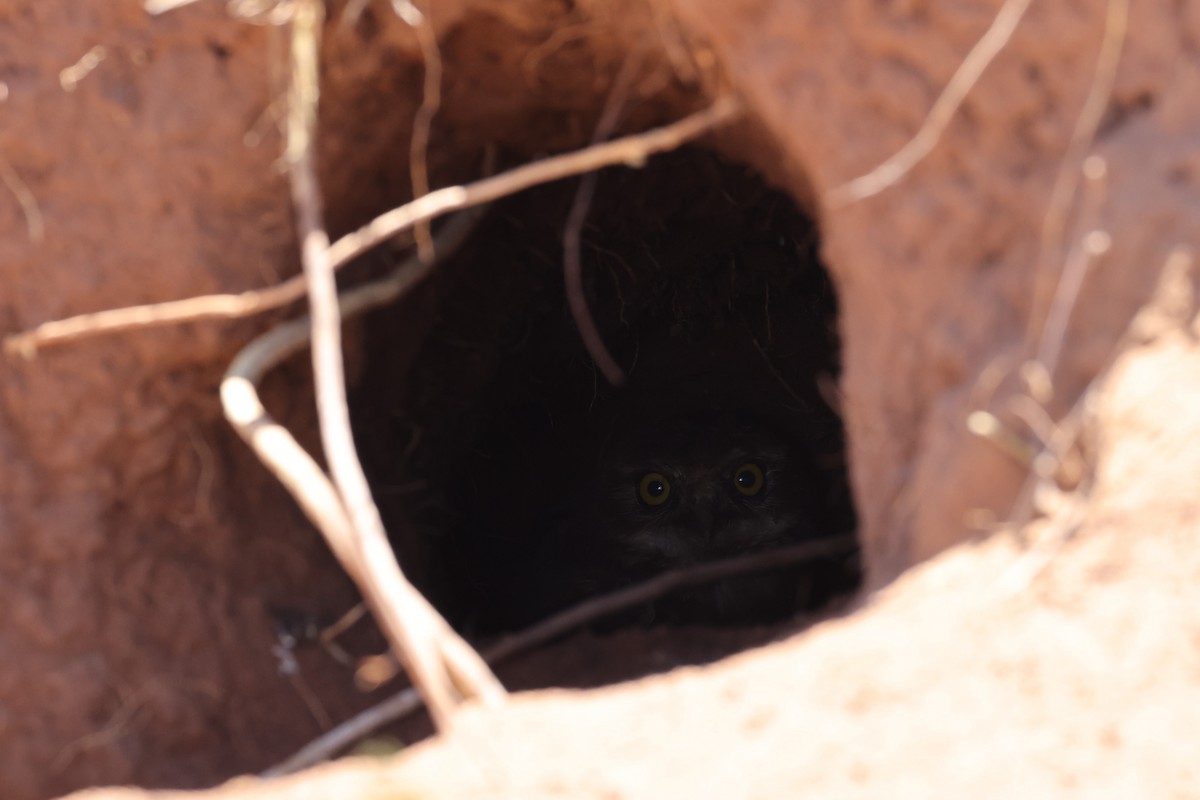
(748, 479)
(654, 489)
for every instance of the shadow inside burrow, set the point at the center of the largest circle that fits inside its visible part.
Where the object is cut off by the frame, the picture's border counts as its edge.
(509, 468)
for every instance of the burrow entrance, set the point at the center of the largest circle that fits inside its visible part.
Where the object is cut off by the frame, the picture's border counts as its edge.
(517, 480)
(508, 470)
(162, 587)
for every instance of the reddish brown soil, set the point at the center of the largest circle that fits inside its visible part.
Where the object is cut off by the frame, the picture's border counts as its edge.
(141, 547)
(955, 681)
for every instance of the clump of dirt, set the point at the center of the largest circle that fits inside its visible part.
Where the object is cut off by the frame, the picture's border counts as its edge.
(144, 551)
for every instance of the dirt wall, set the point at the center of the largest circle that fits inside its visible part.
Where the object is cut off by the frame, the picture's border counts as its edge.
(139, 544)
(141, 547)
(937, 275)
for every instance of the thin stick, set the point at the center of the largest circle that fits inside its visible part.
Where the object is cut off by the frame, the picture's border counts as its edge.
(1054, 224)
(1018, 577)
(803, 404)
(431, 101)
(35, 224)
(630, 150)
(358, 524)
(216, 306)
(664, 583)
(1038, 372)
(1068, 431)
(273, 443)
(407, 700)
(343, 624)
(1047, 332)
(111, 731)
(340, 737)
(593, 342)
(944, 108)
(1079, 261)
(156, 7)
(1066, 435)
(410, 624)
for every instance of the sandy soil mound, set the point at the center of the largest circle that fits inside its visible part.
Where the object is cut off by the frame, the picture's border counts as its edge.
(969, 676)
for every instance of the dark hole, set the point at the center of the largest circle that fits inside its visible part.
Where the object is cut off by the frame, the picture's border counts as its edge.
(516, 477)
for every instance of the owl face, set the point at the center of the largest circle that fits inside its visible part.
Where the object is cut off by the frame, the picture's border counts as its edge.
(699, 487)
(677, 488)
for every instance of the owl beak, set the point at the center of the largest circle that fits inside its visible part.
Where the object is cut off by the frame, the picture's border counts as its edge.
(704, 524)
(703, 517)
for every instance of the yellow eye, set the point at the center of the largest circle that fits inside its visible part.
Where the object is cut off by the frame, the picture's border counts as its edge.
(654, 489)
(748, 479)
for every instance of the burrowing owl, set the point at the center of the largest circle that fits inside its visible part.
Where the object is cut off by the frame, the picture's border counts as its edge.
(679, 488)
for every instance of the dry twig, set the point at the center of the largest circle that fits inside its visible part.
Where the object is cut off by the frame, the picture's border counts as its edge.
(440, 664)
(1038, 372)
(431, 101)
(35, 224)
(1045, 333)
(407, 700)
(1066, 436)
(922, 143)
(630, 150)
(112, 730)
(593, 342)
(1054, 224)
(1079, 261)
(275, 446)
